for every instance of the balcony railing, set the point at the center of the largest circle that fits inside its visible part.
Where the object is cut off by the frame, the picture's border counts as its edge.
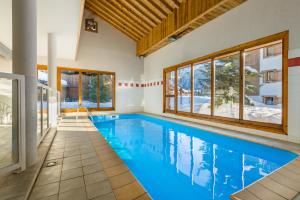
(47, 110)
(12, 115)
(12, 128)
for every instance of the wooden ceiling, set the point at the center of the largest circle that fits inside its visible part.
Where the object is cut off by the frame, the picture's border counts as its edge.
(151, 23)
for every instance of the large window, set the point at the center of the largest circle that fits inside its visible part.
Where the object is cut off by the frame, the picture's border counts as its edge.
(106, 90)
(227, 83)
(184, 89)
(170, 90)
(86, 89)
(69, 89)
(263, 85)
(89, 92)
(202, 88)
(245, 85)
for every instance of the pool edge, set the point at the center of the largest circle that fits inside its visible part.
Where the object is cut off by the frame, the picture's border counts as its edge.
(268, 183)
(281, 183)
(111, 162)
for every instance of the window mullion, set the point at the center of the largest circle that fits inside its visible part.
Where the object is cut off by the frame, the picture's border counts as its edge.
(98, 90)
(192, 87)
(176, 91)
(212, 99)
(242, 84)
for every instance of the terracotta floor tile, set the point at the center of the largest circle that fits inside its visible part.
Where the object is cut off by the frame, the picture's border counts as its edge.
(121, 180)
(71, 184)
(116, 170)
(111, 163)
(90, 161)
(72, 165)
(92, 168)
(263, 192)
(71, 173)
(98, 189)
(44, 191)
(130, 191)
(109, 196)
(278, 188)
(144, 197)
(95, 177)
(74, 194)
(245, 195)
(289, 174)
(291, 183)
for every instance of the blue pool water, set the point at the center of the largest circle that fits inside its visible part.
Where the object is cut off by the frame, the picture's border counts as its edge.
(174, 161)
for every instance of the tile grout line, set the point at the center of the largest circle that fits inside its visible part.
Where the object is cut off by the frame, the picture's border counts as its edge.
(29, 192)
(97, 153)
(58, 195)
(260, 184)
(253, 194)
(109, 147)
(282, 184)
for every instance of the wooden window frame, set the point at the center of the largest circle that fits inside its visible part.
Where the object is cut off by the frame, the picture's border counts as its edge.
(266, 54)
(66, 110)
(176, 88)
(282, 128)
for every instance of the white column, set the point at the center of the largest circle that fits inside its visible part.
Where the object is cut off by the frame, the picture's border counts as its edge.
(52, 60)
(52, 74)
(24, 62)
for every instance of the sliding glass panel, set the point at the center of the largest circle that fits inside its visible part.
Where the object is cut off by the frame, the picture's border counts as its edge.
(263, 84)
(39, 113)
(9, 151)
(202, 88)
(45, 109)
(69, 89)
(170, 90)
(89, 90)
(106, 90)
(184, 89)
(227, 76)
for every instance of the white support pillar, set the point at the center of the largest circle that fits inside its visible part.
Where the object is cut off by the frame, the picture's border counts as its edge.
(52, 60)
(52, 75)
(24, 62)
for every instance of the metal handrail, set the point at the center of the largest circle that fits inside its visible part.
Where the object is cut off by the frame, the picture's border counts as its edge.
(87, 111)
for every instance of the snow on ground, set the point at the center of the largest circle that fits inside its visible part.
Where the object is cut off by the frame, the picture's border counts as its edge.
(259, 112)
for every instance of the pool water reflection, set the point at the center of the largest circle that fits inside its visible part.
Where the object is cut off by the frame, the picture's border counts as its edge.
(174, 161)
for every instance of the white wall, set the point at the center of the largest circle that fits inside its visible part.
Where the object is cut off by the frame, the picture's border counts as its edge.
(110, 50)
(252, 20)
(5, 65)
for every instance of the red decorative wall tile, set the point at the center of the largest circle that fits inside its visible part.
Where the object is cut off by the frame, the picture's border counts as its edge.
(293, 62)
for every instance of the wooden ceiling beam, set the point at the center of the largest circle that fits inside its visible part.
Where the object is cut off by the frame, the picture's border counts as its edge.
(127, 12)
(155, 9)
(145, 10)
(137, 12)
(163, 6)
(190, 15)
(102, 4)
(173, 3)
(116, 24)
